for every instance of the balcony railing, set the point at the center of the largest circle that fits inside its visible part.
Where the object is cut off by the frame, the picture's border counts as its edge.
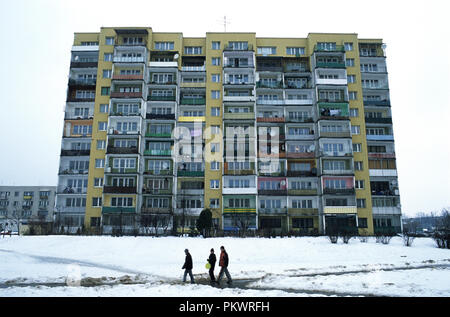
(301, 173)
(272, 192)
(121, 150)
(191, 173)
(385, 137)
(123, 59)
(117, 94)
(161, 98)
(335, 48)
(193, 101)
(75, 152)
(300, 154)
(156, 116)
(239, 115)
(83, 82)
(338, 191)
(275, 85)
(83, 64)
(158, 152)
(118, 210)
(302, 192)
(127, 77)
(119, 190)
(193, 68)
(379, 103)
(273, 211)
(330, 65)
(152, 210)
(378, 120)
(157, 191)
(274, 119)
(303, 211)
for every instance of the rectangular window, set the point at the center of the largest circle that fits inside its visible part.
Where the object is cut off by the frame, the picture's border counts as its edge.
(356, 129)
(361, 203)
(352, 95)
(362, 222)
(193, 50)
(96, 201)
(359, 184)
(105, 91)
(295, 51)
(348, 46)
(101, 144)
(215, 166)
(350, 62)
(164, 46)
(354, 112)
(99, 163)
(98, 182)
(215, 78)
(351, 79)
(215, 61)
(214, 184)
(215, 45)
(215, 147)
(358, 165)
(215, 94)
(107, 73)
(357, 147)
(104, 108)
(267, 50)
(102, 126)
(214, 203)
(215, 112)
(107, 57)
(109, 40)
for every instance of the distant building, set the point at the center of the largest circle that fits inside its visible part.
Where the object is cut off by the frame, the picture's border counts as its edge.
(26, 204)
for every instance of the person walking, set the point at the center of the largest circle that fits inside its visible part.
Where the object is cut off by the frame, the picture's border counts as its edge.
(223, 263)
(212, 261)
(188, 266)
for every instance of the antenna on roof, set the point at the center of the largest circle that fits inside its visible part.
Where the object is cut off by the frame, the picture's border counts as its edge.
(225, 22)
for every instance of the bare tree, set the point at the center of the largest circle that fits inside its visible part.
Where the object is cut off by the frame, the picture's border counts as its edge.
(409, 232)
(442, 233)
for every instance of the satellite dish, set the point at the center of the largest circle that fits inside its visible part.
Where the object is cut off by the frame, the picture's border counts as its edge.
(176, 56)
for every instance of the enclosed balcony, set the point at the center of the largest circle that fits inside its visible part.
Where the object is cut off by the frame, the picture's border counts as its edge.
(158, 149)
(191, 169)
(331, 76)
(157, 186)
(333, 110)
(337, 129)
(239, 185)
(335, 147)
(297, 149)
(239, 168)
(371, 50)
(304, 167)
(84, 59)
(302, 186)
(129, 91)
(243, 111)
(190, 186)
(121, 165)
(342, 166)
(272, 168)
(272, 186)
(162, 95)
(300, 131)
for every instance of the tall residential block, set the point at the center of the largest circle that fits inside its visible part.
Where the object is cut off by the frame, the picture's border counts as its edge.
(276, 134)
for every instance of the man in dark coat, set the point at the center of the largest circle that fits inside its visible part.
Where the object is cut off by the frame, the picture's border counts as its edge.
(223, 263)
(188, 266)
(212, 260)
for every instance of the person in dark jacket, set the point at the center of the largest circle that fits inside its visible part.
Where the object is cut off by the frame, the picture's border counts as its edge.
(212, 260)
(188, 266)
(223, 263)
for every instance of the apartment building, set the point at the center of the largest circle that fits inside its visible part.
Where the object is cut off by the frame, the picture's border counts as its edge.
(25, 204)
(277, 134)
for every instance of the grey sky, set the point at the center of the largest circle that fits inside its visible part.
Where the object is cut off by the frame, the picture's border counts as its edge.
(37, 37)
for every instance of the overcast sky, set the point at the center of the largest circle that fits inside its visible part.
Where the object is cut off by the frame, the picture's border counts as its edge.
(37, 37)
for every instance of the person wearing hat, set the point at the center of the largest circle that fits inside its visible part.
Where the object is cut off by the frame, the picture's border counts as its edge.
(188, 267)
(223, 263)
(212, 261)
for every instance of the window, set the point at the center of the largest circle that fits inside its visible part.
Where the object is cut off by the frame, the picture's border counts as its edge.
(99, 163)
(267, 50)
(193, 50)
(96, 201)
(214, 184)
(121, 201)
(215, 78)
(295, 51)
(101, 144)
(350, 62)
(215, 166)
(215, 147)
(359, 184)
(102, 126)
(352, 95)
(348, 46)
(361, 203)
(215, 61)
(302, 203)
(109, 40)
(356, 129)
(164, 46)
(215, 94)
(104, 108)
(214, 203)
(354, 112)
(107, 57)
(215, 112)
(215, 45)
(357, 147)
(238, 46)
(107, 73)
(98, 182)
(362, 222)
(358, 165)
(302, 223)
(105, 91)
(351, 79)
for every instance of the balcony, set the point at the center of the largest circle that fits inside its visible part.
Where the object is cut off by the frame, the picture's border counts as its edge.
(193, 68)
(340, 134)
(387, 211)
(161, 98)
(119, 190)
(83, 82)
(63, 171)
(191, 119)
(151, 210)
(334, 48)
(275, 85)
(303, 212)
(90, 64)
(116, 94)
(239, 98)
(383, 172)
(294, 102)
(270, 119)
(385, 137)
(300, 154)
(121, 150)
(158, 152)
(273, 211)
(272, 192)
(190, 173)
(164, 64)
(239, 210)
(301, 173)
(75, 152)
(157, 191)
(239, 191)
(155, 116)
(331, 65)
(127, 77)
(118, 210)
(129, 59)
(378, 120)
(193, 101)
(333, 110)
(120, 170)
(340, 210)
(377, 103)
(338, 191)
(381, 155)
(270, 102)
(239, 116)
(339, 81)
(302, 192)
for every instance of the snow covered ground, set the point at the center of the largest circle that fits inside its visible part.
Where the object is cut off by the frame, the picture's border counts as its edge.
(146, 266)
